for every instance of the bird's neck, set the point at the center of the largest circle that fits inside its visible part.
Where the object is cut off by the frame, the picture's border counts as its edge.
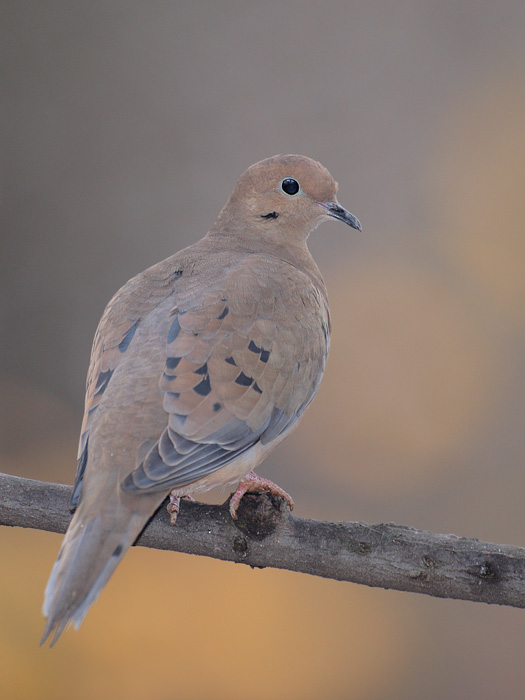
(294, 252)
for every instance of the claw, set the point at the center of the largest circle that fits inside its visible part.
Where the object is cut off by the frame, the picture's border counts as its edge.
(252, 483)
(173, 506)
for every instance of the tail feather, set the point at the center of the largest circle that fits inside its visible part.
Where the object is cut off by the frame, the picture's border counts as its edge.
(91, 551)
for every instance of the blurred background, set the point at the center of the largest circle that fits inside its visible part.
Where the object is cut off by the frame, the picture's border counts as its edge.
(124, 128)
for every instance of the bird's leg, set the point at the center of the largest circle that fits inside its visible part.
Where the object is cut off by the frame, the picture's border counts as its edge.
(173, 506)
(252, 483)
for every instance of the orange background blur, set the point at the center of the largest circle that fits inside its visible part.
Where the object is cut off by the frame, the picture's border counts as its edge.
(125, 126)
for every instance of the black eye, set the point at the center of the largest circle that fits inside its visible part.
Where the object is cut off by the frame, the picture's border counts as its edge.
(290, 186)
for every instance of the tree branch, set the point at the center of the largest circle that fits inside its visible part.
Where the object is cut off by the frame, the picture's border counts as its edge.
(266, 534)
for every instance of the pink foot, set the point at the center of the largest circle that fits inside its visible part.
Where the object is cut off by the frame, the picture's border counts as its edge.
(256, 484)
(173, 506)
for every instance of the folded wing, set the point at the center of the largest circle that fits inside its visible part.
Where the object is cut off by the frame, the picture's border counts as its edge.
(234, 375)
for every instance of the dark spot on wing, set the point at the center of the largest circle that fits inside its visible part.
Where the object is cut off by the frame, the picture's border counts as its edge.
(217, 406)
(81, 468)
(257, 388)
(126, 340)
(118, 551)
(271, 215)
(204, 388)
(203, 369)
(103, 381)
(172, 362)
(173, 331)
(265, 354)
(225, 312)
(253, 347)
(177, 274)
(243, 380)
(231, 361)
(103, 378)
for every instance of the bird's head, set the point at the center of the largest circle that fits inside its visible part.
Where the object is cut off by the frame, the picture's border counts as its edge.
(284, 198)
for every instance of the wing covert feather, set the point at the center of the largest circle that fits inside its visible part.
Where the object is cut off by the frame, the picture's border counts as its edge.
(239, 368)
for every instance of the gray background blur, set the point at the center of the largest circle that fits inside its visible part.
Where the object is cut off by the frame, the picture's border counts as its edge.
(124, 128)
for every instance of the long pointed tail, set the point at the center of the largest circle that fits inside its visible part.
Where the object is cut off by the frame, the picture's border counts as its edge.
(92, 549)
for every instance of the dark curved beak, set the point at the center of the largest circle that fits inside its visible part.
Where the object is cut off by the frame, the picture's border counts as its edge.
(338, 212)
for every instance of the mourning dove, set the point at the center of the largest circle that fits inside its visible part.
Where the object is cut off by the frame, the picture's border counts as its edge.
(201, 365)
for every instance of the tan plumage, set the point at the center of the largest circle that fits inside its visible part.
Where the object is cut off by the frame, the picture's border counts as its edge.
(200, 366)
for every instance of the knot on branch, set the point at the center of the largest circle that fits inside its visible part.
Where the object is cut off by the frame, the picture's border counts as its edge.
(487, 571)
(259, 514)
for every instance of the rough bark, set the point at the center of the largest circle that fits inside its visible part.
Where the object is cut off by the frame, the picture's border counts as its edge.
(267, 535)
